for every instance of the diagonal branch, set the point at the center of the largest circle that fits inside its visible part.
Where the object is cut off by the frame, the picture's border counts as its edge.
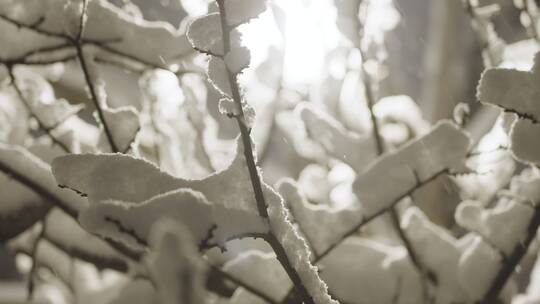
(78, 43)
(256, 183)
(71, 205)
(105, 47)
(289, 299)
(91, 86)
(95, 98)
(513, 260)
(39, 189)
(82, 20)
(366, 220)
(41, 125)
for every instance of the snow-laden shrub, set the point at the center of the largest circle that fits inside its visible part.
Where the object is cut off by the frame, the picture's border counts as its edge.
(160, 198)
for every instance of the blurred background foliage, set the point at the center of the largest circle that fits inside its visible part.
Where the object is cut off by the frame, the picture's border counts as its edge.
(433, 56)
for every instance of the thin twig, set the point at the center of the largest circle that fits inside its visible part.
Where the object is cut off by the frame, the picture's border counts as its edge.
(26, 103)
(78, 43)
(366, 220)
(91, 86)
(35, 27)
(48, 196)
(82, 21)
(256, 183)
(240, 118)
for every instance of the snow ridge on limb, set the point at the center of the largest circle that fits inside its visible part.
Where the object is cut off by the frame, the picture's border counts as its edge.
(513, 90)
(208, 223)
(123, 189)
(398, 174)
(444, 149)
(295, 247)
(120, 177)
(516, 92)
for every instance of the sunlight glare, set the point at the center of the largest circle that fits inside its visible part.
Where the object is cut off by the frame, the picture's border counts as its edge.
(310, 32)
